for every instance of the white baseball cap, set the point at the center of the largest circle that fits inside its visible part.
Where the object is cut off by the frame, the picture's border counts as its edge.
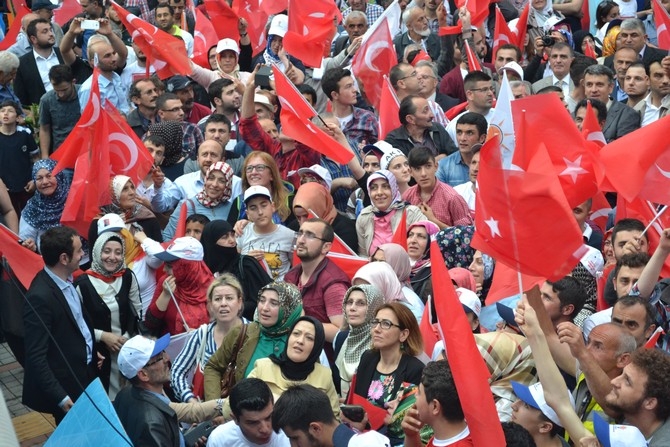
(388, 155)
(263, 100)
(469, 300)
(533, 395)
(279, 25)
(136, 352)
(227, 44)
(318, 171)
(512, 66)
(110, 222)
(256, 190)
(617, 435)
(186, 247)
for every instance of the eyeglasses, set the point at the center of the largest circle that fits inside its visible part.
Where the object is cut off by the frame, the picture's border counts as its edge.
(423, 78)
(159, 359)
(356, 303)
(483, 89)
(257, 168)
(385, 324)
(309, 235)
(411, 75)
(174, 109)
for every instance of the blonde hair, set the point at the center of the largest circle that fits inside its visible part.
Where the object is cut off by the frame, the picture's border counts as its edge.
(279, 192)
(230, 280)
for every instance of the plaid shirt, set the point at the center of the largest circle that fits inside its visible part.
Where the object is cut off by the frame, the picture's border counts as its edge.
(373, 12)
(193, 138)
(447, 205)
(363, 126)
(145, 12)
(341, 196)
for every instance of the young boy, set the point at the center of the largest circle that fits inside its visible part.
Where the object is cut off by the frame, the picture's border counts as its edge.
(271, 244)
(17, 149)
(195, 223)
(533, 413)
(154, 189)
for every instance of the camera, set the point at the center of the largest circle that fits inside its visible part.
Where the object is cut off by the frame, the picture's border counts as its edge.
(548, 40)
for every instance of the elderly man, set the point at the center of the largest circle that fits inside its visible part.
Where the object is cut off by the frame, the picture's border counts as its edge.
(356, 24)
(9, 64)
(418, 32)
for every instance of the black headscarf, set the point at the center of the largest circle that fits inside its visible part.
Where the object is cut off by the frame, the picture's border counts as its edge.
(173, 135)
(219, 259)
(299, 371)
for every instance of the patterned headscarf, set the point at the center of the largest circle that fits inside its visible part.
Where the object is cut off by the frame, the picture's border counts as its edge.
(173, 136)
(396, 200)
(609, 42)
(454, 243)
(202, 196)
(360, 337)
(44, 212)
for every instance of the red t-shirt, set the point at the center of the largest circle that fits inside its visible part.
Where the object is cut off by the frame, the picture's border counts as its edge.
(463, 439)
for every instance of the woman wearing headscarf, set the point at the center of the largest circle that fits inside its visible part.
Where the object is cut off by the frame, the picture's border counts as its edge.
(382, 276)
(454, 243)
(359, 307)
(180, 299)
(221, 256)
(376, 223)
(225, 65)
(45, 207)
(482, 268)
(396, 256)
(419, 237)
(298, 363)
(275, 53)
(111, 296)
(315, 197)
(172, 134)
(279, 307)
(212, 202)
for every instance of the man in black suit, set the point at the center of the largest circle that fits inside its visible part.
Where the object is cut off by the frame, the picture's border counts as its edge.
(58, 333)
(32, 77)
(633, 35)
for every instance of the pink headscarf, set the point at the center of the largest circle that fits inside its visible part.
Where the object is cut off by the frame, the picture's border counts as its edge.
(382, 276)
(398, 259)
(463, 278)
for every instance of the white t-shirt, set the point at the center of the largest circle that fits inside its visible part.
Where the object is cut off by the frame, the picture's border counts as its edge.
(278, 247)
(230, 435)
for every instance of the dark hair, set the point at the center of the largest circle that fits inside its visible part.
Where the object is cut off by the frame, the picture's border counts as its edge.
(216, 88)
(218, 118)
(407, 107)
(570, 291)
(420, 156)
(154, 139)
(197, 218)
(56, 241)
(10, 103)
(61, 73)
(476, 119)
(627, 225)
(633, 300)
(655, 364)
(602, 11)
(331, 78)
(510, 46)
(631, 260)
(561, 46)
(406, 320)
(165, 5)
(134, 92)
(640, 64)
(600, 70)
(328, 232)
(250, 394)
(306, 89)
(165, 97)
(473, 78)
(517, 436)
(301, 405)
(31, 29)
(596, 104)
(438, 384)
(579, 64)
(549, 89)
(397, 73)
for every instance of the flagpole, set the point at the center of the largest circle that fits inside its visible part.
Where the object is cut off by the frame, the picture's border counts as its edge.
(658, 214)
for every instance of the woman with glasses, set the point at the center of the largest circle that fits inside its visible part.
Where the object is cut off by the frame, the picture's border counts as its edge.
(225, 303)
(386, 369)
(279, 307)
(213, 201)
(359, 307)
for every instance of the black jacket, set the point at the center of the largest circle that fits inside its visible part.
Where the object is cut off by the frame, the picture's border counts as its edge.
(28, 84)
(409, 370)
(148, 420)
(399, 138)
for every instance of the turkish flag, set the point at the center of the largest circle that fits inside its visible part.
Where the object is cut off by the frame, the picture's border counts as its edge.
(348, 263)
(256, 18)
(505, 283)
(204, 37)
(517, 208)
(373, 60)
(428, 333)
(296, 115)
(662, 21)
(165, 52)
(501, 33)
(67, 10)
(389, 109)
(400, 234)
(310, 29)
(543, 120)
(638, 164)
(456, 110)
(180, 231)
(600, 210)
(591, 129)
(471, 375)
(590, 50)
(522, 27)
(223, 19)
(473, 61)
(586, 17)
(20, 9)
(24, 263)
(272, 7)
(479, 10)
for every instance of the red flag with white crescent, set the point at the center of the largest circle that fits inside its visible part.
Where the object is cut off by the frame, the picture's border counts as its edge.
(389, 109)
(310, 29)
(67, 10)
(223, 19)
(204, 37)
(662, 21)
(501, 33)
(256, 18)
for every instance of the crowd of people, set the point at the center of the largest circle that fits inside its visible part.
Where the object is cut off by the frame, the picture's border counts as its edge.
(302, 289)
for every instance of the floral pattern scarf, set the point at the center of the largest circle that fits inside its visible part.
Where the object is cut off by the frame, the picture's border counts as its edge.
(209, 202)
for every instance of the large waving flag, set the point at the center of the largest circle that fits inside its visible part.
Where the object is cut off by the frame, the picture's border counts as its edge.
(296, 115)
(67, 10)
(470, 372)
(389, 109)
(204, 37)
(311, 29)
(101, 145)
(516, 208)
(257, 18)
(662, 21)
(165, 52)
(24, 263)
(223, 19)
(501, 33)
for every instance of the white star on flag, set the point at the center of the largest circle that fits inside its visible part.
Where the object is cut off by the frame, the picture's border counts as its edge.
(573, 168)
(493, 227)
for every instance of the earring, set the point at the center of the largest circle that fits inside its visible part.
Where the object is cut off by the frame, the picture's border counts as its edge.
(402, 346)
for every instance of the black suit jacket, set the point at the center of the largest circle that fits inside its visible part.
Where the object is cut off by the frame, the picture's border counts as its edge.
(148, 421)
(341, 43)
(28, 84)
(650, 54)
(621, 120)
(47, 379)
(446, 101)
